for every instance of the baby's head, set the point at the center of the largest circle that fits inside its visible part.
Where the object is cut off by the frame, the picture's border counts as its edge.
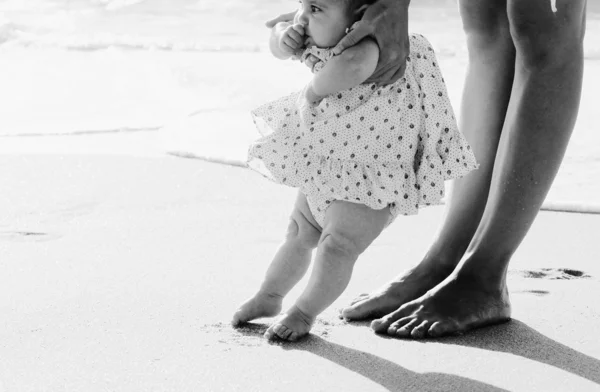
(326, 21)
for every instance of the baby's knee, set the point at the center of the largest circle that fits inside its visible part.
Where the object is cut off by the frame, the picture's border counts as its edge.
(302, 231)
(342, 242)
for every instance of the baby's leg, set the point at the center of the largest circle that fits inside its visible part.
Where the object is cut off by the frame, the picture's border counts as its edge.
(348, 230)
(288, 266)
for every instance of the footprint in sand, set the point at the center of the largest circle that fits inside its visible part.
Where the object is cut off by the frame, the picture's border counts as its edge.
(539, 293)
(32, 236)
(70, 211)
(551, 273)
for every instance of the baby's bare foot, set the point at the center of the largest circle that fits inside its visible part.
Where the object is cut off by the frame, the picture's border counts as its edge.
(291, 326)
(261, 305)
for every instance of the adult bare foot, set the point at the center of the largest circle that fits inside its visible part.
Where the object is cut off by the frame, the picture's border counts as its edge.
(404, 288)
(291, 326)
(459, 303)
(261, 305)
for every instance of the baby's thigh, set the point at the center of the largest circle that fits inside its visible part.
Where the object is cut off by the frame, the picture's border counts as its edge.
(352, 226)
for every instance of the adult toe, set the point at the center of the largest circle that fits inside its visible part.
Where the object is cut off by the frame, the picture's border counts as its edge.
(441, 328)
(359, 298)
(396, 325)
(420, 331)
(360, 309)
(406, 329)
(381, 325)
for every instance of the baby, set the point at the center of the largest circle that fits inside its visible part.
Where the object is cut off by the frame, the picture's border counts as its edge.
(360, 155)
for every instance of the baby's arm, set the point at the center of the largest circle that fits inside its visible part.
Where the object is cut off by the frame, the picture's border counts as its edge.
(350, 68)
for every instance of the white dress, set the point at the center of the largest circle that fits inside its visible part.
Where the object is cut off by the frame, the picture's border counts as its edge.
(393, 145)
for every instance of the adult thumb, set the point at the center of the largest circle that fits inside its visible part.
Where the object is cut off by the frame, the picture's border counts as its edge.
(281, 18)
(352, 38)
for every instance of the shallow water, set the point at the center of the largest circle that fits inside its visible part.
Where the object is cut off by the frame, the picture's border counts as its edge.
(86, 65)
(121, 65)
(78, 65)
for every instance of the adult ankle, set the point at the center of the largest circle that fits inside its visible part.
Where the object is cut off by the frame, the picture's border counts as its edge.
(491, 272)
(442, 260)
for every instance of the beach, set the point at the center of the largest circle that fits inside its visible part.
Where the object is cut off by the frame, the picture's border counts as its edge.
(192, 71)
(121, 274)
(131, 229)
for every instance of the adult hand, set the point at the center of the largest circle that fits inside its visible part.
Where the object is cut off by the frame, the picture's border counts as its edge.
(289, 17)
(311, 61)
(387, 22)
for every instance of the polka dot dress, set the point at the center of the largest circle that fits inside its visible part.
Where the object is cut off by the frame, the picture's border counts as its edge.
(393, 145)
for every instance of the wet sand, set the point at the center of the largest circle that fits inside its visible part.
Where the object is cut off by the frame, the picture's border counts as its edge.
(121, 273)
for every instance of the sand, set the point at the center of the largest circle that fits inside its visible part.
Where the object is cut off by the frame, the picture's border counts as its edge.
(121, 272)
(122, 265)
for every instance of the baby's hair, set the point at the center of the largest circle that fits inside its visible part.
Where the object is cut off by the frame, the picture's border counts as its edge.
(355, 4)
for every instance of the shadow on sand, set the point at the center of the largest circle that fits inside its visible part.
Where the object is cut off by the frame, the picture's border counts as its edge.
(514, 337)
(386, 373)
(517, 338)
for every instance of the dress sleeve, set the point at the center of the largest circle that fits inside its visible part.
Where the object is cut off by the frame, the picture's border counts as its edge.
(322, 54)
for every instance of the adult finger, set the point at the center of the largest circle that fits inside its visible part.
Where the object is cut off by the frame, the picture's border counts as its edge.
(281, 18)
(361, 30)
(311, 61)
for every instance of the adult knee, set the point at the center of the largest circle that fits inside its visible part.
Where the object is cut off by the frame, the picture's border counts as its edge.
(485, 24)
(543, 38)
(302, 231)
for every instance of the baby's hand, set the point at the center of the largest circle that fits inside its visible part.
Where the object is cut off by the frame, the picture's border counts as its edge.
(291, 38)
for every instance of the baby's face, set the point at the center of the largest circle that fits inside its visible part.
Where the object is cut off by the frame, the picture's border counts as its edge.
(325, 21)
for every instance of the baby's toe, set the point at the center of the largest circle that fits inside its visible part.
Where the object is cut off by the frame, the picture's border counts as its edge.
(293, 336)
(269, 333)
(283, 332)
(236, 320)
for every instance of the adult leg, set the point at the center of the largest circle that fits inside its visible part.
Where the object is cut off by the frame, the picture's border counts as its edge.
(348, 230)
(485, 99)
(539, 122)
(287, 268)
